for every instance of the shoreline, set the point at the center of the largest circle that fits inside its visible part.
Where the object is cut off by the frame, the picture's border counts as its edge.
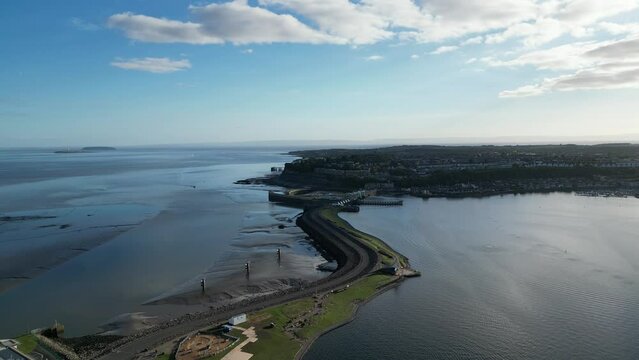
(358, 262)
(307, 345)
(259, 303)
(594, 191)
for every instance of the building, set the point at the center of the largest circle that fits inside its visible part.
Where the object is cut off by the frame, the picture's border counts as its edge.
(237, 319)
(9, 351)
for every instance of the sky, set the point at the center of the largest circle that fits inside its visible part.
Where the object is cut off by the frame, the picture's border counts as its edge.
(139, 72)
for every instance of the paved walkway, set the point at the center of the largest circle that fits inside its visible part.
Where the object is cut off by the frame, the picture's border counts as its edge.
(237, 353)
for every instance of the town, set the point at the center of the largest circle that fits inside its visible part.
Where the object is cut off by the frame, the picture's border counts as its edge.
(457, 171)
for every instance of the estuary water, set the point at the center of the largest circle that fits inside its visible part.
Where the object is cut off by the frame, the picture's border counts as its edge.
(115, 241)
(510, 277)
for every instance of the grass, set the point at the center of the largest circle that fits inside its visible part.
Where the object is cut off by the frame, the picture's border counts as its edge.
(339, 307)
(274, 343)
(28, 343)
(331, 214)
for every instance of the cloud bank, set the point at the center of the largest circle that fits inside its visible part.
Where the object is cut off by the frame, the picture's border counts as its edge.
(529, 28)
(532, 22)
(594, 65)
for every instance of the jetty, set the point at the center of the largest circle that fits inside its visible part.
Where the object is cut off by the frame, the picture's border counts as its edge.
(380, 202)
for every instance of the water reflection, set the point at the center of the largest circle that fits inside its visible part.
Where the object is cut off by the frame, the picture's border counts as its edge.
(535, 277)
(185, 221)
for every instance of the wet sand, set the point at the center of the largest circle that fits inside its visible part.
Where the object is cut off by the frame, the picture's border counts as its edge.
(152, 235)
(46, 238)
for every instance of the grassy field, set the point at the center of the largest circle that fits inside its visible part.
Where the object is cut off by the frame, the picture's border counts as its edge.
(331, 214)
(276, 344)
(28, 343)
(339, 307)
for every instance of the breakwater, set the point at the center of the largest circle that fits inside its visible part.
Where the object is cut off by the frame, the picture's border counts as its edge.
(374, 202)
(355, 259)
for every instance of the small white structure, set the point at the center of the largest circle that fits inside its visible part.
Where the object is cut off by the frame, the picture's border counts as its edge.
(237, 319)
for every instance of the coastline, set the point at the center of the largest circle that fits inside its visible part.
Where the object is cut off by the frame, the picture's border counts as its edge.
(352, 272)
(307, 345)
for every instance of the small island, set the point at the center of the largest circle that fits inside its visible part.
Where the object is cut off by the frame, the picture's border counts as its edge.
(86, 149)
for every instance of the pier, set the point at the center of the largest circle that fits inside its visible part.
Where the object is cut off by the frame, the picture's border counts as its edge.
(380, 202)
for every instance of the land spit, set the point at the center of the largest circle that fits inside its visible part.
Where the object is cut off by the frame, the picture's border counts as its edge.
(355, 259)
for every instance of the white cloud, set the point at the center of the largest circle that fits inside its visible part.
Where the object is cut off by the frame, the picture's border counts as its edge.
(597, 78)
(503, 27)
(160, 30)
(444, 49)
(473, 41)
(414, 56)
(563, 57)
(235, 22)
(619, 29)
(153, 65)
(357, 23)
(83, 25)
(533, 22)
(374, 58)
(595, 65)
(247, 51)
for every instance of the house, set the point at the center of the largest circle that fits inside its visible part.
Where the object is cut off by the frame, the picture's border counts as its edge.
(237, 319)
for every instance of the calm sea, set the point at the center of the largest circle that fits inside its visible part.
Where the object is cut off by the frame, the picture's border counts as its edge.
(512, 277)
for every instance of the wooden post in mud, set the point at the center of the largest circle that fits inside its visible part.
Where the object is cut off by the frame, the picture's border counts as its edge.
(202, 283)
(247, 266)
(279, 254)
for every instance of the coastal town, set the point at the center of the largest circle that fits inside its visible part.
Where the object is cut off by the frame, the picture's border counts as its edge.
(459, 171)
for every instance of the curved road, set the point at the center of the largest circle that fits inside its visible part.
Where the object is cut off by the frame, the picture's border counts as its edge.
(355, 259)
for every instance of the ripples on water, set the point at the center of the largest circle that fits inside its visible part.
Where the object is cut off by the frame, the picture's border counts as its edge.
(513, 277)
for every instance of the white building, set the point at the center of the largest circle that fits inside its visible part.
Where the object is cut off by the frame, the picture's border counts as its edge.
(237, 319)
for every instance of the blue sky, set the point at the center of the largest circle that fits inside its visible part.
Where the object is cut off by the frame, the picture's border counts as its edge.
(166, 72)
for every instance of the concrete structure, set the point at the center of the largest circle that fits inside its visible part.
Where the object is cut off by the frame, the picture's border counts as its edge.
(201, 346)
(237, 319)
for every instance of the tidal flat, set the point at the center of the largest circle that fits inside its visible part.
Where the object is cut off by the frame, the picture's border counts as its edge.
(115, 242)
